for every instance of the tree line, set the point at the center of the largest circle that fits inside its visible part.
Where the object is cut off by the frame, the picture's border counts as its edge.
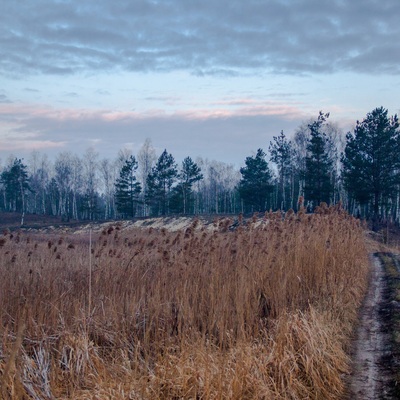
(318, 164)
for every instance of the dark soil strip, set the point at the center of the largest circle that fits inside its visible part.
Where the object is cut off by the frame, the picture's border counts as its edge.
(390, 316)
(376, 352)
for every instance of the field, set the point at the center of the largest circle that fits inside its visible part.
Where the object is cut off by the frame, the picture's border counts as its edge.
(259, 309)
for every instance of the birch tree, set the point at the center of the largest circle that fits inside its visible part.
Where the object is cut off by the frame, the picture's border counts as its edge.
(39, 168)
(90, 183)
(108, 178)
(146, 159)
(63, 167)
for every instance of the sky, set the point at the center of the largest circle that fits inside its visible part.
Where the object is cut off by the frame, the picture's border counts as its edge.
(210, 78)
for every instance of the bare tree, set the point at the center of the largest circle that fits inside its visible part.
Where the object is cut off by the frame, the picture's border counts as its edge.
(63, 167)
(146, 159)
(76, 184)
(39, 168)
(90, 183)
(108, 176)
(123, 155)
(217, 191)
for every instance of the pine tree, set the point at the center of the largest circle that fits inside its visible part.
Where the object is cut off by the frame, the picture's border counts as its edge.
(189, 174)
(281, 154)
(160, 182)
(255, 185)
(127, 189)
(371, 160)
(318, 186)
(16, 185)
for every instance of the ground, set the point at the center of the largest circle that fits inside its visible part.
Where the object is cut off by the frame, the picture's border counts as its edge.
(376, 347)
(367, 380)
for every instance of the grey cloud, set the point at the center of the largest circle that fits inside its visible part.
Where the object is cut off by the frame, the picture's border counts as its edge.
(208, 37)
(167, 100)
(4, 99)
(103, 92)
(71, 94)
(223, 138)
(286, 95)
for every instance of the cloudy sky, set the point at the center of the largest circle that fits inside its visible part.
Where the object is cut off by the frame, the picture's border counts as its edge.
(213, 78)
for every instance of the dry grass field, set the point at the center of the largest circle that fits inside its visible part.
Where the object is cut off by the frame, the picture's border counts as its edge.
(264, 311)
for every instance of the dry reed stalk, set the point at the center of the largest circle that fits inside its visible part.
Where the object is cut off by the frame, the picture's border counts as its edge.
(249, 313)
(10, 367)
(90, 275)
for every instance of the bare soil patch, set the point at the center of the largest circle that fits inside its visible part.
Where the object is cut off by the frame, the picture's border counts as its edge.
(54, 224)
(375, 351)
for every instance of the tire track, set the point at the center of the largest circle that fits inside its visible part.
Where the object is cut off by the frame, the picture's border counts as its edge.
(369, 380)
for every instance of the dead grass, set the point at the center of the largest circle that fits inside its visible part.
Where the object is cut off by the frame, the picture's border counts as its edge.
(264, 311)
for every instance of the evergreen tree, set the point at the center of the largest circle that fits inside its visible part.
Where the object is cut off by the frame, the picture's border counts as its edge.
(255, 185)
(189, 174)
(176, 200)
(371, 160)
(318, 185)
(160, 182)
(16, 185)
(281, 154)
(127, 189)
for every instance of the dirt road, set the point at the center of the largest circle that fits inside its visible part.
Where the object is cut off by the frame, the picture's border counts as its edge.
(373, 376)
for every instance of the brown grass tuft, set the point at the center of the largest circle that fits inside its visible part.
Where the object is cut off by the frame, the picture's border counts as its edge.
(265, 310)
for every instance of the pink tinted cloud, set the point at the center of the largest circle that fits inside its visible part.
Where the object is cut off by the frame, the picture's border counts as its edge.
(28, 127)
(242, 107)
(232, 107)
(257, 109)
(14, 145)
(236, 102)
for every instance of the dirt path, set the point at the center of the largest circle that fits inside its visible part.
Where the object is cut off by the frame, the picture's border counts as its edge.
(370, 380)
